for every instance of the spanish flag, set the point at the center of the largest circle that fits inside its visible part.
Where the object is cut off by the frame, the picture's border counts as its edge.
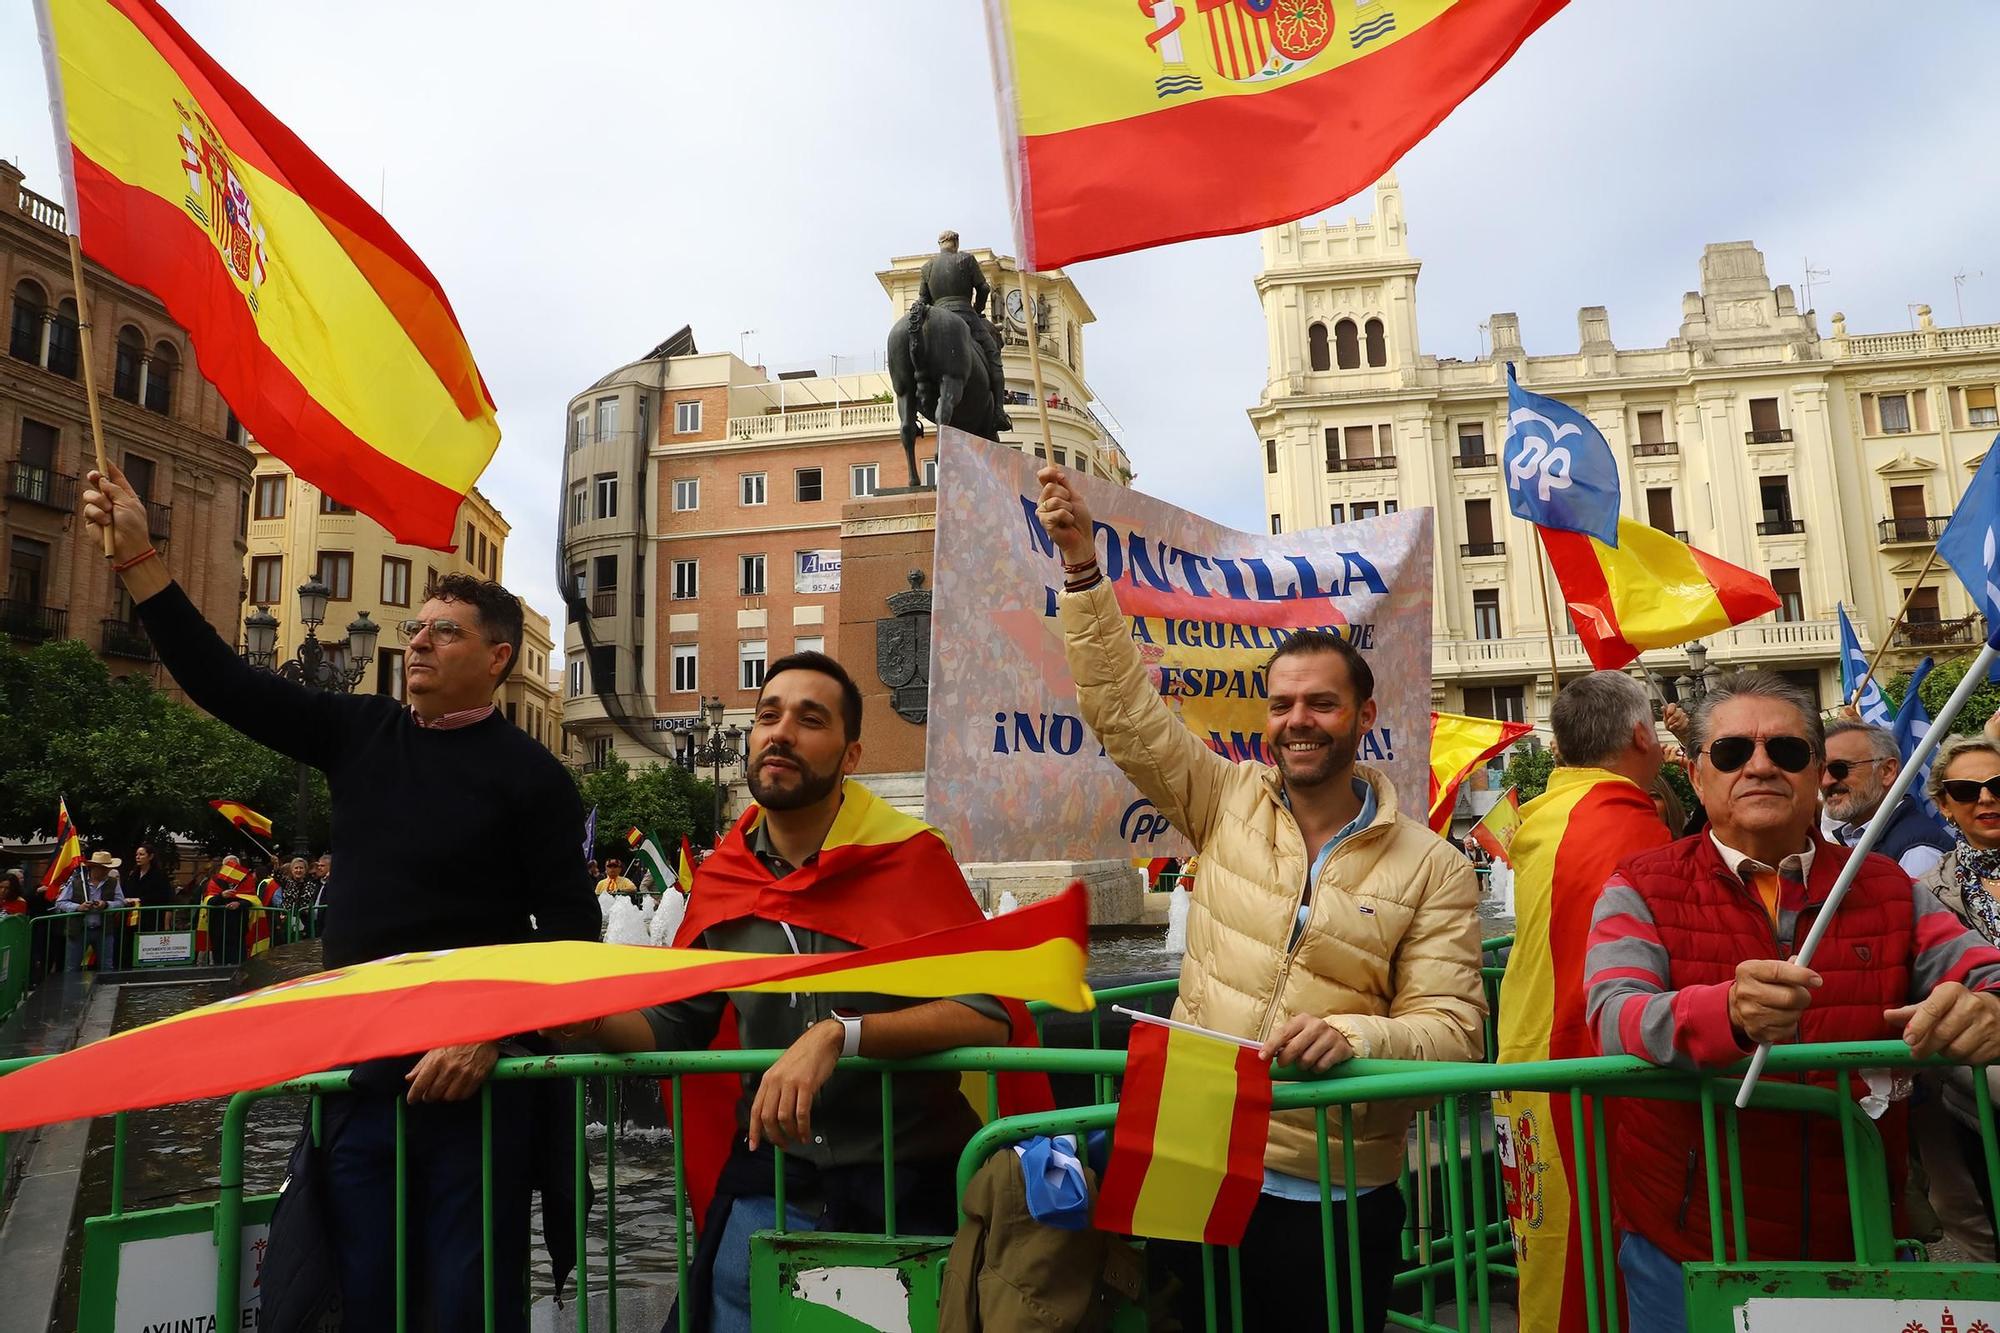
(1570, 839)
(1460, 744)
(329, 338)
(1187, 1153)
(1649, 591)
(1496, 828)
(684, 873)
(68, 852)
(1132, 123)
(243, 817)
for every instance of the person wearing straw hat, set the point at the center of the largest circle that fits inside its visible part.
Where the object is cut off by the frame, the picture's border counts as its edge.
(1689, 966)
(92, 890)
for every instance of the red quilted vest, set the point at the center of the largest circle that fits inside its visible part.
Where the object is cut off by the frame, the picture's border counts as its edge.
(1794, 1177)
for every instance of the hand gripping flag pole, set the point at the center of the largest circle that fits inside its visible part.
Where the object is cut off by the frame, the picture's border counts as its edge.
(1975, 676)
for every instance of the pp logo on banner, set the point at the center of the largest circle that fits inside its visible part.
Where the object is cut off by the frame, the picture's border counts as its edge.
(1542, 458)
(1141, 822)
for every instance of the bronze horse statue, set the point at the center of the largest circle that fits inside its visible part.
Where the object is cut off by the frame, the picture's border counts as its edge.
(937, 369)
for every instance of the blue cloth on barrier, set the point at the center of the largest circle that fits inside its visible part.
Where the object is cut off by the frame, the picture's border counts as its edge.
(1058, 1196)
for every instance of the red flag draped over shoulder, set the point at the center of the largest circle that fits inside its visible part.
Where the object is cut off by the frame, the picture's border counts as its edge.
(880, 877)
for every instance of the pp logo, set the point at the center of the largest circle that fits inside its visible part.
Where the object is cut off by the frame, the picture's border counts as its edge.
(1541, 459)
(1141, 822)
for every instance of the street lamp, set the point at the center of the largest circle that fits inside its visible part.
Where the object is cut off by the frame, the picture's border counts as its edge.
(714, 745)
(313, 665)
(1699, 678)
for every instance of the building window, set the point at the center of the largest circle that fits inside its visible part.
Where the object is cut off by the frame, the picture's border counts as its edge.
(684, 667)
(395, 581)
(1472, 444)
(31, 308)
(579, 503)
(1277, 524)
(809, 643)
(1776, 496)
(687, 494)
(862, 479)
(808, 484)
(27, 570)
(1346, 345)
(1791, 597)
(1336, 514)
(1653, 427)
(1318, 356)
(687, 418)
(329, 505)
(1062, 456)
(64, 340)
(750, 575)
(687, 580)
(140, 472)
(1364, 509)
(1504, 703)
(336, 570)
(1479, 528)
(1922, 607)
(129, 364)
(271, 495)
(604, 669)
(750, 665)
(160, 377)
(1910, 513)
(1895, 410)
(753, 488)
(1378, 345)
(243, 516)
(389, 672)
(604, 586)
(1486, 614)
(606, 490)
(607, 419)
(579, 429)
(1764, 419)
(576, 679)
(267, 580)
(1980, 409)
(1660, 508)
(930, 470)
(1332, 435)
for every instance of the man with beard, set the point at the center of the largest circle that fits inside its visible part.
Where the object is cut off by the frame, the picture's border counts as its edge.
(1861, 765)
(1324, 924)
(818, 865)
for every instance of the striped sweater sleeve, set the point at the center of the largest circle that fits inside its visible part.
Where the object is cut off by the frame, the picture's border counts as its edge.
(1630, 1009)
(1948, 950)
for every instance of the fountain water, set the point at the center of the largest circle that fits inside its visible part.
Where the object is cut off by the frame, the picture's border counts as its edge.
(1177, 917)
(667, 917)
(623, 922)
(1008, 902)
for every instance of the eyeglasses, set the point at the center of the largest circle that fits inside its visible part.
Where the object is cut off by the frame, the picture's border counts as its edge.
(444, 632)
(1729, 753)
(1965, 791)
(1838, 769)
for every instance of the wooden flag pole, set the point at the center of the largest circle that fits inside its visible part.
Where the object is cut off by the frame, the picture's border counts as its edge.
(1548, 613)
(89, 363)
(1034, 366)
(1894, 625)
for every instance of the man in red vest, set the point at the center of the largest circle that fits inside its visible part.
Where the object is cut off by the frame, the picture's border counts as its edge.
(1689, 966)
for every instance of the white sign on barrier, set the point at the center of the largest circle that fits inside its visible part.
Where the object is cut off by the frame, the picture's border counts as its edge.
(168, 1282)
(1822, 1315)
(164, 948)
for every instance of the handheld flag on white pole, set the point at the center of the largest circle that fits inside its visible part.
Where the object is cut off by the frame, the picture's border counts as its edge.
(1857, 684)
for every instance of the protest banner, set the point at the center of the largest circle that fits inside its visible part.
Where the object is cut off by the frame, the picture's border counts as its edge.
(1013, 774)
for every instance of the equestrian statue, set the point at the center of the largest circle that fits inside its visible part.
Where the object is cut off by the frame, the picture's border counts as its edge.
(944, 355)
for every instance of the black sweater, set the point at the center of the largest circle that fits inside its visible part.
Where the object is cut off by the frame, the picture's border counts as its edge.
(447, 839)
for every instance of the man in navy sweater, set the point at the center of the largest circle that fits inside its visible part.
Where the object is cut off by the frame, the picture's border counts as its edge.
(455, 829)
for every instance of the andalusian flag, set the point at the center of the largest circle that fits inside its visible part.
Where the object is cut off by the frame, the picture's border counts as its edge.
(1459, 744)
(1187, 1153)
(1132, 123)
(1495, 830)
(243, 817)
(68, 852)
(419, 1001)
(323, 330)
(647, 853)
(1649, 591)
(684, 873)
(1570, 839)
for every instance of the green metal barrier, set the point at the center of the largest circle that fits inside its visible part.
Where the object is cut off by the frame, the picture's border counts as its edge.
(15, 951)
(163, 938)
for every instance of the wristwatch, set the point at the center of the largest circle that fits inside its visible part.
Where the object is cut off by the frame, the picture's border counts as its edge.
(850, 1023)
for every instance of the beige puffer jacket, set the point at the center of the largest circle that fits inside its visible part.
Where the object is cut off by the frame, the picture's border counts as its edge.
(1390, 953)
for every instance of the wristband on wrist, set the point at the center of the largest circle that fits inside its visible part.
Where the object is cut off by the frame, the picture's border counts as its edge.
(1084, 584)
(136, 560)
(1089, 562)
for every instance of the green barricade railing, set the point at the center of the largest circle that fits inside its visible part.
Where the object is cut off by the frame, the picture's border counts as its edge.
(16, 943)
(163, 937)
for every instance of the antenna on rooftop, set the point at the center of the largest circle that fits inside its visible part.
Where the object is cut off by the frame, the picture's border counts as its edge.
(1958, 281)
(1484, 330)
(1819, 275)
(743, 345)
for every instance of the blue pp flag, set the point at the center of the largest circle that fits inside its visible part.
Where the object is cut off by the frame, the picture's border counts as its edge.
(1913, 722)
(1559, 471)
(1874, 709)
(1971, 541)
(590, 836)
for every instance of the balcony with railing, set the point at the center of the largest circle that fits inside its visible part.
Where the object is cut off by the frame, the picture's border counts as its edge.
(854, 419)
(604, 603)
(1966, 632)
(1473, 460)
(1911, 530)
(1656, 449)
(45, 211)
(1373, 463)
(129, 641)
(1471, 549)
(159, 521)
(1780, 527)
(42, 486)
(32, 621)
(1781, 436)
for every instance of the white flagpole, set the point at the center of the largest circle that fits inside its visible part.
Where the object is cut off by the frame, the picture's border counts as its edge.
(1975, 676)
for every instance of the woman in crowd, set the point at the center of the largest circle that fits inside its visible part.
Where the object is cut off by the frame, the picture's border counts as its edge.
(149, 885)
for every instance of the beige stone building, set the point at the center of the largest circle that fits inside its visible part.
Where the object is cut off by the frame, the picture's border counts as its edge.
(164, 424)
(1827, 463)
(703, 526)
(296, 531)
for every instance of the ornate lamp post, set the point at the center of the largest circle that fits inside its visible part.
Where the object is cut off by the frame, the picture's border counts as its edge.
(1696, 680)
(313, 665)
(715, 745)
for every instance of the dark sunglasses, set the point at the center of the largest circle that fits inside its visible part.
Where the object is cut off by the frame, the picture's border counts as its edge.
(1838, 769)
(1965, 791)
(1729, 753)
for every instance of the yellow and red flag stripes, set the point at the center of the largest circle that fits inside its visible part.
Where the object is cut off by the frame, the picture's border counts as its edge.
(414, 1002)
(1650, 591)
(1570, 839)
(69, 851)
(684, 873)
(323, 330)
(243, 817)
(1187, 1153)
(633, 837)
(1141, 122)
(1495, 829)
(1460, 744)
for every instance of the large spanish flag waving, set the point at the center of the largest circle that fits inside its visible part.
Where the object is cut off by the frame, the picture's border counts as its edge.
(1570, 839)
(1460, 744)
(1649, 591)
(1132, 123)
(325, 333)
(242, 816)
(68, 852)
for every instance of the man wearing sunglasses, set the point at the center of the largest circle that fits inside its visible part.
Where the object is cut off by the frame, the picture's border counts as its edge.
(456, 829)
(1861, 765)
(1689, 965)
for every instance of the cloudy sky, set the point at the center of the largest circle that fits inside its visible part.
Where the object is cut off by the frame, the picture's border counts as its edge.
(586, 177)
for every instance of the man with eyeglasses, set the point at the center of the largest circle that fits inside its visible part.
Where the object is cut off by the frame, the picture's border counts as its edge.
(1689, 966)
(456, 829)
(1861, 765)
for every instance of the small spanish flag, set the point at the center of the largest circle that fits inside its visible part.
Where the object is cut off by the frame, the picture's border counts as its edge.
(69, 851)
(1495, 830)
(1649, 591)
(684, 876)
(1187, 1153)
(1460, 744)
(243, 817)
(633, 837)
